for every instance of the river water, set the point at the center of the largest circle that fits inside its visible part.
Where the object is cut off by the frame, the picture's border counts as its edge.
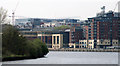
(60, 57)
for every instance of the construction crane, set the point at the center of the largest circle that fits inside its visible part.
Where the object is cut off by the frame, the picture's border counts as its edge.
(13, 14)
(117, 4)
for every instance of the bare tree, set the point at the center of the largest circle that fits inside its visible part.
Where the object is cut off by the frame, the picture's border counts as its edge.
(3, 15)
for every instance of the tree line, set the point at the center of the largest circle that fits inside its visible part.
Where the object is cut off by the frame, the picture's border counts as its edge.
(14, 44)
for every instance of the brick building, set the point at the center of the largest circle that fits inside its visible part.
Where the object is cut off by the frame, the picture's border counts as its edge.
(103, 27)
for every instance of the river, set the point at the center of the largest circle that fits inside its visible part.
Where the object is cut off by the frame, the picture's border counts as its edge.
(60, 57)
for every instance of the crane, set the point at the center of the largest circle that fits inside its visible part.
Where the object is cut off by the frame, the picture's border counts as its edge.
(13, 14)
(117, 4)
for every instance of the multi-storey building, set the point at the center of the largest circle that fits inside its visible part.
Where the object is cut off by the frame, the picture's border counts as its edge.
(75, 34)
(54, 39)
(29, 34)
(104, 29)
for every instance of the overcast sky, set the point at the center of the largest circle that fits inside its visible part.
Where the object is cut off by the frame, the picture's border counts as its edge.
(81, 9)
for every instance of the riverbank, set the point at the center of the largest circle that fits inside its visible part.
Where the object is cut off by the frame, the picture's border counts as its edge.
(13, 58)
(85, 50)
(19, 58)
(61, 57)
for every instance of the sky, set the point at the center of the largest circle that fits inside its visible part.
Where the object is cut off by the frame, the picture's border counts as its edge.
(81, 9)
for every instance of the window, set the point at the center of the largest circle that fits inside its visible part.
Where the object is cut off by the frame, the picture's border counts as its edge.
(57, 39)
(82, 46)
(113, 42)
(40, 37)
(54, 39)
(95, 32)
(43, 38)
(46, 38)
(80, 42)
(89, 34)
(89, 37)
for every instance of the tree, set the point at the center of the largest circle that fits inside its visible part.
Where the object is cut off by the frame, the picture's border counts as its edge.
(12, 41)
(15, 44)
(62, 27)
(42, 48)
(3, 15)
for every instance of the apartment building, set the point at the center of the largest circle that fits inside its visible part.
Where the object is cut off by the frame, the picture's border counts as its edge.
(104, 29)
